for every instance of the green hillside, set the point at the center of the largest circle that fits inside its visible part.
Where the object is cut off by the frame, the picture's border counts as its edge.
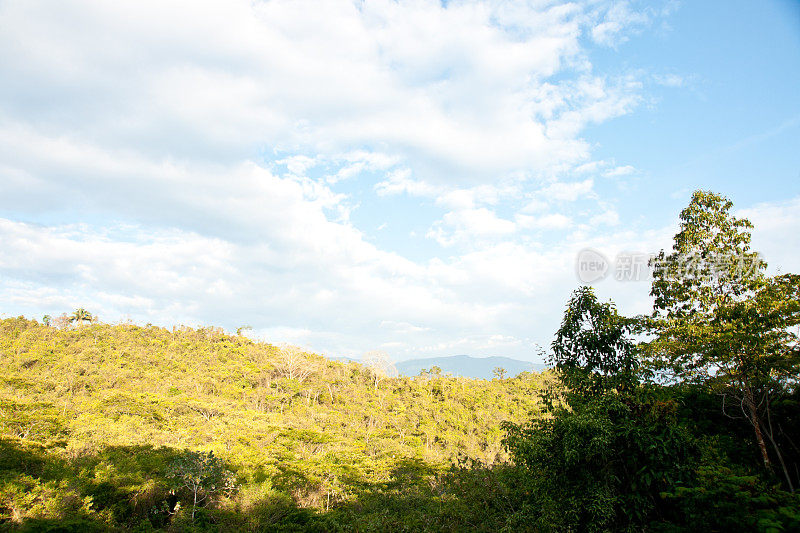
(92, 416)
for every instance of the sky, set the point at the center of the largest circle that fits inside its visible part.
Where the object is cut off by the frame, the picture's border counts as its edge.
(417, 177)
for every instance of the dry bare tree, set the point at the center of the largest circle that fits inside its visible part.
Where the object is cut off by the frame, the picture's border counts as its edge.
(294, 363)
(380, 364)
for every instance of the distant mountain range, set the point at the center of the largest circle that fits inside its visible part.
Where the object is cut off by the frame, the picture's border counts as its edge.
(467, 366)
(462, 365)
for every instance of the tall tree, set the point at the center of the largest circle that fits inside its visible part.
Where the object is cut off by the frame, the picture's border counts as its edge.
(711, 263)
(603, 456)
(720, 321)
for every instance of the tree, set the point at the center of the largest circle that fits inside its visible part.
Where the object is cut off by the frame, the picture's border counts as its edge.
(601, 459)
(379, 364)
(499, 372)
(202, 474)
(754, 346)
(711, 263)
(46, 319)
(720, 321)
(81, 315)
(592, 349)
(294, 363)
(62, 321)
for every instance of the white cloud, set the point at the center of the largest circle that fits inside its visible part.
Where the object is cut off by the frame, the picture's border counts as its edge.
(402, 327)
(568, 192)
(623, 170)
(569, 107)
(317, 298)
(609, 218)
(590, 167)
(534, 205)
(776, 233)
(320, 78)
(201, 162)
(670, 80)
(549, 221)
(399, 181)
(465, 225)
(618, 19)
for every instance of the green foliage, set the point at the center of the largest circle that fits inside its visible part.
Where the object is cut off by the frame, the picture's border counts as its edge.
(592, 350)
(81, 315)
(96, 419)
(602, 466)
(201, 474)
(720, 322)
(621, 455)
(720, 500)
(711, 262)
(599, 462)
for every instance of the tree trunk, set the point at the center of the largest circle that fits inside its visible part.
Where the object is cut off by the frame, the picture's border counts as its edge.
(755, 420)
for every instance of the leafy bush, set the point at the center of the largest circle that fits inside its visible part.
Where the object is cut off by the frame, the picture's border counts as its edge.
(202, 476)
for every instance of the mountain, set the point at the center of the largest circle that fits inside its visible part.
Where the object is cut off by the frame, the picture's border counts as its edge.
(467, 366)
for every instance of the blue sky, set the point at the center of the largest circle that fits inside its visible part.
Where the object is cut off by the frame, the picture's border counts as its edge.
(416, 177)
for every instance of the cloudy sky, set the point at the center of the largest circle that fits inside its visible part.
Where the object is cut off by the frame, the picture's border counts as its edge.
(413, 176)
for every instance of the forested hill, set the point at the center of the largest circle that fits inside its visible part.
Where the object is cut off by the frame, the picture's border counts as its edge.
(92, 417)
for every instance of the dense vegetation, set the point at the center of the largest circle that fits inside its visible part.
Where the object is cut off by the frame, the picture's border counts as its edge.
(687, 419)
(94, 416)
